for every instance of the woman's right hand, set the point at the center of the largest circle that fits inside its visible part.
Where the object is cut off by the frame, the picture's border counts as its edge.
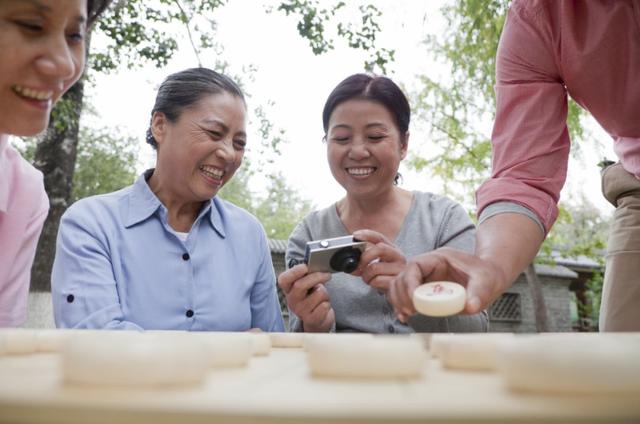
(308, 298)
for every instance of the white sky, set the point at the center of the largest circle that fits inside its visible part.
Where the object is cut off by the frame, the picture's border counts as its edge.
(298, 83)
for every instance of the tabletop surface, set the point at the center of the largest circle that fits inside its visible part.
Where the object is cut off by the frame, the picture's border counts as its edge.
(279, 388)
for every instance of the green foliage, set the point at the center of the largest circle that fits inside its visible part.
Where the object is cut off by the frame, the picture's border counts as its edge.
(139, 32)
(459, 108)
(581, 230)
(315, 20)
(105, 163)
(282, 208)
(237, 189)
(591, 308)
(279, 210)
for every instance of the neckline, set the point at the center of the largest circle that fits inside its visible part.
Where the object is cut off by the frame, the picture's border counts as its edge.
(401, 233)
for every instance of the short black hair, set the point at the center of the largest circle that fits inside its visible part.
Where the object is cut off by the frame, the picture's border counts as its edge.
(95, 8)
(370, 87)
(183, 89)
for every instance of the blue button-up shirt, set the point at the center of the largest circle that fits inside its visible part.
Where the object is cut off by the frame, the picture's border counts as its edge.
(120, 265)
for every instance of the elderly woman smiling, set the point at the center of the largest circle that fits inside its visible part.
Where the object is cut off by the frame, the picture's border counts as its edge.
(166, 253)
(366, 123)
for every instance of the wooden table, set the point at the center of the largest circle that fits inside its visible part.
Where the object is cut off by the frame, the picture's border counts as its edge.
(279, 389)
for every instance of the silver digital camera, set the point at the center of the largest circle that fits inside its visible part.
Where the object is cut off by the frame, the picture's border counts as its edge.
(339, 254)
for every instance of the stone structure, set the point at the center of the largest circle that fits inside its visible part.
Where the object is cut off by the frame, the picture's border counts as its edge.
(514, 310)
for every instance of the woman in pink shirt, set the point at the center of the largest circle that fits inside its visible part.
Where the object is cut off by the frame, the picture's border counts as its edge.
(550, 49)
(42, 54)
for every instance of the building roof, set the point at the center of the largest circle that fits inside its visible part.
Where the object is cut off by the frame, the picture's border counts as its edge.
(578, 263)
(277, 246)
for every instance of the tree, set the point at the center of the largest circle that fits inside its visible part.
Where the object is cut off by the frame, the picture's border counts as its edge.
(315, 20)
(135, 33)
(281, 209)
(105, 163)
(458, 108)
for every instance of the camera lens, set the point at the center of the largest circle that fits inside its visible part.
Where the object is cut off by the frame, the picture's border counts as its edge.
(345, 260)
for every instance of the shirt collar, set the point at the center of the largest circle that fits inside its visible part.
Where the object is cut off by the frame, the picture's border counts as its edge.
(143, 203)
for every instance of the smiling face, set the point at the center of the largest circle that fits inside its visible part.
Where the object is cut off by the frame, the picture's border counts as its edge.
(364, 147)
(203, 148)
(42, 47)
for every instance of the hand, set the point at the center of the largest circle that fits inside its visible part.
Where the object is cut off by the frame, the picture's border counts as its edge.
(483, 279)
(308, 298)
(380, 262)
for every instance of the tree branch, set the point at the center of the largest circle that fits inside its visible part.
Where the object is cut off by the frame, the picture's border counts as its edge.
(188, 20)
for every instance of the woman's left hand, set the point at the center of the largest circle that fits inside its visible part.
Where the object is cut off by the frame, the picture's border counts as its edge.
(380, 262)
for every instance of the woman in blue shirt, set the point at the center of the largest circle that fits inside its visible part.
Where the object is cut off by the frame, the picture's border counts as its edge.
(166, 253)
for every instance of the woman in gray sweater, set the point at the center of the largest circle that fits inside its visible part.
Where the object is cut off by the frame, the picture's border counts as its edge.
(366, 123)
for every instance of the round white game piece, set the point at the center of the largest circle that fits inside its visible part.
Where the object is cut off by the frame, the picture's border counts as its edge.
(51, 340)
(227, 350)
(437, 342)
(571, 365)
(287, 339)
(17, 341)
(261, 343)
(132, 359)
(381, 357)
(439, 299)
(471, 351)
(329, 337)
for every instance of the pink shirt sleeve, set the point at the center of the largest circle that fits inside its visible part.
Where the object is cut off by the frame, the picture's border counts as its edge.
(22, 214)
(530, 137)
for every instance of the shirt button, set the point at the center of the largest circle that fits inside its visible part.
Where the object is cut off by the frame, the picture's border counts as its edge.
(391, 328)
(70, 298)
(185, 256)
(189, 313)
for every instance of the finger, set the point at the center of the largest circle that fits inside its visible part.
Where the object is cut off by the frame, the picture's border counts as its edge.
(408, 281)
(319, 314)
(382, 283)
(452, 265)
(301, 288)
(290, 276)
(382, 252)
(371, 236)
(480, 293)
(433, 266)
(402, 318)
(316, 296)
(381, 269)
(392, 296)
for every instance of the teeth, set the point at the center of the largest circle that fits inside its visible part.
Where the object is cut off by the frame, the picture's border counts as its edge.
(33, 94)
(360, 171)
(212, 171)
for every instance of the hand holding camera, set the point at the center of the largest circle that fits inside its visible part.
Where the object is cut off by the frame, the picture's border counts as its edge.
(381, 261)
(303, 283)
(308, 298)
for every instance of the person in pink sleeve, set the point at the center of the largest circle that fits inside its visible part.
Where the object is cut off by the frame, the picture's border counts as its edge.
(589, 50)
(42, 53)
